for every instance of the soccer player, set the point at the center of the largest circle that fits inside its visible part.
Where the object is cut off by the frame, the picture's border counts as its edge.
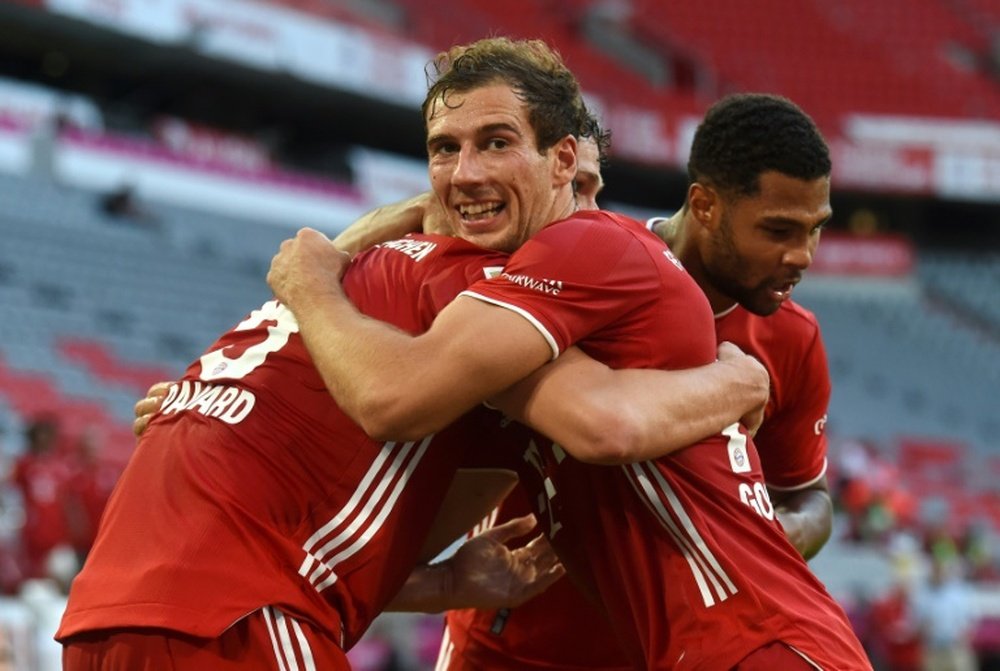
(257, 527)
(758, 196)
(684, 554)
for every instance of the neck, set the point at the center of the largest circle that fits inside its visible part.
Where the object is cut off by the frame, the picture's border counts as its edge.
(680, 232)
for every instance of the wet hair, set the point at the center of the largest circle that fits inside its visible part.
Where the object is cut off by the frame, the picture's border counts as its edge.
(531, 68)
(745, 135)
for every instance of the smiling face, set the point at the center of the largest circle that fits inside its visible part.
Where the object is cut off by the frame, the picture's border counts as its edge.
(754, 249)
(487, 172)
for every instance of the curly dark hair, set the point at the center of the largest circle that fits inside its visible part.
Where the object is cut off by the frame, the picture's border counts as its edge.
(744, 135)
(531, 68)
(602, 137)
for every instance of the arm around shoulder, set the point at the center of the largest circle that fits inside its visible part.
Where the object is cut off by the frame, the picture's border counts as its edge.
(606, 416)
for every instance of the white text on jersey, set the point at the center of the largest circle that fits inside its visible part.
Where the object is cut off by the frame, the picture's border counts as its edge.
(415, 249)
(230, 404)
(545, 286)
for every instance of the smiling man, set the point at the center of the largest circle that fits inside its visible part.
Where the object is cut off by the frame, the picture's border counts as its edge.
(683, 553)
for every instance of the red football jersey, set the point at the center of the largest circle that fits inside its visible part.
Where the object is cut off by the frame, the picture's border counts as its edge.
(792, 439)
(251, 488)
(560, 629)
(685, 552)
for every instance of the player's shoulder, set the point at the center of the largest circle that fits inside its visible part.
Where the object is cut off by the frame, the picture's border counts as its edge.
(603, 220)
(793, 316)
(428, 252)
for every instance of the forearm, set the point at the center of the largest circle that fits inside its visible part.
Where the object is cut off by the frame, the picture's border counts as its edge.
(382, 224)
(427, 590)
(807, 518)
(357, 357)
(606, 416)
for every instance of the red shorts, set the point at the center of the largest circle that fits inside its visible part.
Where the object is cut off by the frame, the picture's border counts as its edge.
(266, 640)
(774, 656)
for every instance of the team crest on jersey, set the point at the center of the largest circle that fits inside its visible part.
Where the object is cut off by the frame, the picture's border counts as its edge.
(673, 259)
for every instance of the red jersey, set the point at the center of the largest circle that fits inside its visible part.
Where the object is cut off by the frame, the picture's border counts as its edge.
(560, 628)
(685, 552)
(251, 488)
(792, 439)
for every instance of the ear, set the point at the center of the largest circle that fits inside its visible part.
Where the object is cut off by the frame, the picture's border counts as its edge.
(564, 161)
(704, 204)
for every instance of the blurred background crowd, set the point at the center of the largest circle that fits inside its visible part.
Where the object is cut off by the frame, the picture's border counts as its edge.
(154, 154)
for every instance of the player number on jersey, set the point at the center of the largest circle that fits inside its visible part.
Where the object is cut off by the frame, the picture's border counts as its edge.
(216, 364)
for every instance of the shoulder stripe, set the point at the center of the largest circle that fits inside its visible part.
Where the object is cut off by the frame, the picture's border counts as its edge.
(524, 313)
(661, 499)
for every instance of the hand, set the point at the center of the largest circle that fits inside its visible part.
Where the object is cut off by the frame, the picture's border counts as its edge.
(149, 406)
(436, 217)
(754, 370)
(304, 265)
(485, 573)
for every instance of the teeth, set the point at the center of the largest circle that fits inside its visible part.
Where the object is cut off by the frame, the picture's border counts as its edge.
(479, 210)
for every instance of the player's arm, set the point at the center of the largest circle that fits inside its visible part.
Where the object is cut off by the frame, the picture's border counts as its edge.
(393, 385)
(420, 213)
(472, 495)
(384, 223)
(606, 416)
(792, 444)
(483, 573)
(806, 516)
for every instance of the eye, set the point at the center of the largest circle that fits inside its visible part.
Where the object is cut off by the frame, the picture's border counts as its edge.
(497, 143)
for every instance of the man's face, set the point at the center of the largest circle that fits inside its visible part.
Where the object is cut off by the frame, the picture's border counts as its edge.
(762, 244)
(486, 171)
(588, 174)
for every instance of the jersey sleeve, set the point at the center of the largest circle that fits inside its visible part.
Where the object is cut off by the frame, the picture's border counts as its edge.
(792, 442)
(574, 278)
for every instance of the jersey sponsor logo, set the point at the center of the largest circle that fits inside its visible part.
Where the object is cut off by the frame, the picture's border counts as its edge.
(415, 249)
(489, 272)
(820, 425)
(230, 404)
(545, 286)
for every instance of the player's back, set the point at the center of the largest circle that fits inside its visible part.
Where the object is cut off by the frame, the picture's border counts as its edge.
(252, 488)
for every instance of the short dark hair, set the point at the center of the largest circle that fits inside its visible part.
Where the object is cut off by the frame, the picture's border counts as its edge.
(744, 135)
(531, 68)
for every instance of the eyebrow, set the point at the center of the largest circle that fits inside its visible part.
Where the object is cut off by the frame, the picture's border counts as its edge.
(485, 130)
(794, 222)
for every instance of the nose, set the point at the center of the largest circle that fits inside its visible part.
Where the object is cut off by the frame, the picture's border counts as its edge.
(469, 168)
(800, 256)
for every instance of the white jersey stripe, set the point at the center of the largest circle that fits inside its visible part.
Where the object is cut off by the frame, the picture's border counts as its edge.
(685, 519)
(645, 490)
(281, 625)
(304, 649)
(444, 654)
(379, 520)
(376, 466)
(268, 617)
(524, 313)
(370, 503)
